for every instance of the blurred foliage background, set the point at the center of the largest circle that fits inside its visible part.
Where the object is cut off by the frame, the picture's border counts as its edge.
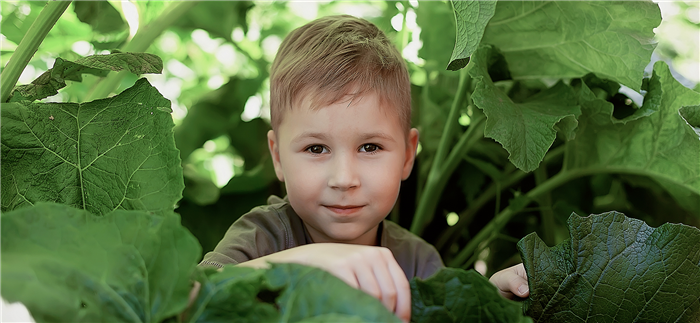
(217, 55)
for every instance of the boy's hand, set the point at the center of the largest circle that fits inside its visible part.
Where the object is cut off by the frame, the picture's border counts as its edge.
(373, 270)
(511, 282)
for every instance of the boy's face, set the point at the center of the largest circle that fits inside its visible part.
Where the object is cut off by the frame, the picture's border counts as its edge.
(342, 165)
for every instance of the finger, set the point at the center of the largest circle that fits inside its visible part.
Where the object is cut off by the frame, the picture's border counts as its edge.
(523, 288)
(388, 293)
(403, 290)
(367, 280)
(348, 276)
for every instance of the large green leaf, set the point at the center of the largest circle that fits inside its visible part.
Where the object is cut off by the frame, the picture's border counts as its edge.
(456, 295)
(471, 17)
(614, 269)
(525, 129)
(48, 83)
(283, 293)
(115, 153)
(565, 39)
(661, 145)
(66, 265)
(309, 292)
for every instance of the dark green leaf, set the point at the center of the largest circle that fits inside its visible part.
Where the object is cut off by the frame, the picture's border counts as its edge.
(66, 265)
(614, 269)
(691, 114)
(108, 154)
(564, 39)
(232, 295)
(661, 145)
(471, 17)
(101, 15)
(456, 295)
(527, 129)
(437, 22)
(48, 83)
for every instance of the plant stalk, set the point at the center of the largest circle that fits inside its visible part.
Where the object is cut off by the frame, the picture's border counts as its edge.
(429, 195)
(545, 202)
(143, 39)
(29, 44)
(500, 220)
(465, 216)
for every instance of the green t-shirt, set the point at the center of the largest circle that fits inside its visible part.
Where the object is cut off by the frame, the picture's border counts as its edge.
(275, 227)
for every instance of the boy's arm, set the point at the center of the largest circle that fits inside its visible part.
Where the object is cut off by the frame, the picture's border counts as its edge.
(370, 269)
(511, 282)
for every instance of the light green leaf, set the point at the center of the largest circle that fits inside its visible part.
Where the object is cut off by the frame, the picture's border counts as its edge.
(471, 17)
(115, 153)
(614, 269)
(456, 295)
(66, 265)
(48, 83)
(566, 39)
(526, 129)
(662, 145)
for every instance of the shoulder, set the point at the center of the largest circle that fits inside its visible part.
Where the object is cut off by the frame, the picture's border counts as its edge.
(263, 230)
(417, 257)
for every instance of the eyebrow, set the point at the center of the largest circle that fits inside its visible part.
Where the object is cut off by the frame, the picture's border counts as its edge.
(322, 136)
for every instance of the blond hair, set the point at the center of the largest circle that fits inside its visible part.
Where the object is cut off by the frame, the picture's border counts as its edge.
(336, 56)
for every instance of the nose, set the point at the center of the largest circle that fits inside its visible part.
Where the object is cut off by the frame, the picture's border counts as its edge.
(343, 174)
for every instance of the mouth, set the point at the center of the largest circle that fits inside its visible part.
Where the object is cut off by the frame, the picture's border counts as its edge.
(344, 209)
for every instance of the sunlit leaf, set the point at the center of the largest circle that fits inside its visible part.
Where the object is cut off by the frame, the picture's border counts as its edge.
(115, 153)
(565, 39)
(471, 17)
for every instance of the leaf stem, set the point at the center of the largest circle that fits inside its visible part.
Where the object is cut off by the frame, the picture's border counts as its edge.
(493, 190)
(29, 44)
(429, 195)
(500, 220)
(143, 39)
(545, 202)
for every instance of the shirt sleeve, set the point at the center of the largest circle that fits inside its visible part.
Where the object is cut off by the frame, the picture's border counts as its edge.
(258, 233)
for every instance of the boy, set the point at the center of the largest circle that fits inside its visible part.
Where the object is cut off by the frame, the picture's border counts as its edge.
(341, 142)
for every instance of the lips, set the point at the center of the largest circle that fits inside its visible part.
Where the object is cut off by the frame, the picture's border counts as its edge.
(344, 209)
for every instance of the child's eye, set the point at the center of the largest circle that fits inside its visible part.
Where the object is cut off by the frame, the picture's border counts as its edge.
(369, 148)
(317, 149)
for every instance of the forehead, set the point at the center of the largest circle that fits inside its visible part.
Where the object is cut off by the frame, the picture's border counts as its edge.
(359, 113)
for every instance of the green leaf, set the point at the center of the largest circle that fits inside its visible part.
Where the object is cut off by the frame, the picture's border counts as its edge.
(48, 83)
(115, 153)
(662, 145)
(101, 15)
(526, 129)
(471, 18)
(309, 292)
(66, 265)
(614, 269)
(437, 23)
(456, 295)
(691, 114)
(232, 295)
(565, 39)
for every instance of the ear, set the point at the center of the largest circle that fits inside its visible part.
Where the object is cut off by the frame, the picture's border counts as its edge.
(273, 145)
(411, 147)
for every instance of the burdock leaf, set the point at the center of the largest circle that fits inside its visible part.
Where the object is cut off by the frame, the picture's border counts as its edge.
(67, 265)
(115, 153)
(48, 83)
(614, 269)
(566, 39)
(526, 129)
(455, 295)
(471, 17)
